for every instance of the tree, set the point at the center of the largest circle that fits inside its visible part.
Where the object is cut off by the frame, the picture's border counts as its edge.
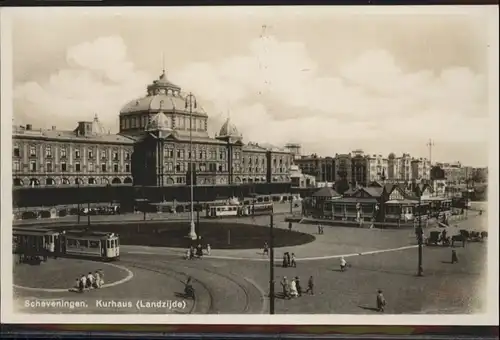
(437, 173)
(341, 186)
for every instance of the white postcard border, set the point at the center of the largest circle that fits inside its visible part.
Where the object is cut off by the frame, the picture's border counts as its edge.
(8, 316)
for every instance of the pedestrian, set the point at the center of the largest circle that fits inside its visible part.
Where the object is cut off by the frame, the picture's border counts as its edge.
(188, 254)
(319, 229)
(266, 249)
(293, 289)
(290, 226)
(285, 287)
(322, 229)
(90, 280)
(77, 285)
(381, 303)
(288, 260)
(199, 251)
(97, 280)
(299, 287)
(454, 257)
(343, 264)
(83, 281)
(209, 249)
(310, 286)
(191, 253)
(293, 263)
(284, 261)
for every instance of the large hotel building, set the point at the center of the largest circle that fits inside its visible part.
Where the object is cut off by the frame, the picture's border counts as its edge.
(162, 136)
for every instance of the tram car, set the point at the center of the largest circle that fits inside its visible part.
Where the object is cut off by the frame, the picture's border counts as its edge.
(44, 243)
(90, 244)
(217, 210)
(34, 242)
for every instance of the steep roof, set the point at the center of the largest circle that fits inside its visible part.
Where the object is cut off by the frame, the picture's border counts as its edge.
(326, 192)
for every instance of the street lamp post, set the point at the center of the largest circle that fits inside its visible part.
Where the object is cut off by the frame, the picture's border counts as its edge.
(271, 263)
(420, 233)
(190, 104)
(78, 193)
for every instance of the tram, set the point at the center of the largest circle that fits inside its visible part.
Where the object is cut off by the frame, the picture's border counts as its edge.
(82, 243)
(217, 210)
(246, 209)
(42, 243)
(34, 242)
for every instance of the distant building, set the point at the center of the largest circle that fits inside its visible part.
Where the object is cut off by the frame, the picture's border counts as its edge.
(420, 169)
(377, 168)
(295, 149)
(322, 168)
(343, 167)
(300, 180)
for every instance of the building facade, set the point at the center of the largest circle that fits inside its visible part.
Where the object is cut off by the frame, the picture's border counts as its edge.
(87, 155)
(163, 137)
(322, 168)
(420, 169)
(377, 168)
(343, 167)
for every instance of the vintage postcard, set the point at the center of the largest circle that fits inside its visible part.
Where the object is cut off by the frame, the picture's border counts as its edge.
(250, 165)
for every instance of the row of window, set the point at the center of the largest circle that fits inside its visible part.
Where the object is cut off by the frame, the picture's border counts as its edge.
(33, 167)
(180, 122)
(33, 152)
(183, 154)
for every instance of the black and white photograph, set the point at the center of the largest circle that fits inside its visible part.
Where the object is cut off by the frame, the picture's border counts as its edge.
(246, 161)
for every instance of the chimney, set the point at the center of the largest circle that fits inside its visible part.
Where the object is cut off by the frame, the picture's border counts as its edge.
(28, 127)
(53, 128)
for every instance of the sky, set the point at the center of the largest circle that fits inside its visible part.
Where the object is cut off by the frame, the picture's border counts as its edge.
(330, 79)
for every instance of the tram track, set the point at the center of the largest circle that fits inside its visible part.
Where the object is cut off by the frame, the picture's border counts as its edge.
(248, 300)
(177, 274)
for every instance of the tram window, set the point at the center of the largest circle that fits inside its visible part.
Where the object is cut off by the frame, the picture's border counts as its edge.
(108, 244)
(84, 243)
(93, 244)
(117, 242)
(71, 243)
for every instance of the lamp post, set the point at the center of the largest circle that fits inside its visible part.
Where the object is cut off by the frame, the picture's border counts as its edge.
(420, 233)
(271, 263)
(78, 187)
(190, 104)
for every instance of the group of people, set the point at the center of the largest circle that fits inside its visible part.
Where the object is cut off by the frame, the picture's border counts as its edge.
(293, 289)
(197, 252)
(90, 281)
(289, 260)
(321, 230)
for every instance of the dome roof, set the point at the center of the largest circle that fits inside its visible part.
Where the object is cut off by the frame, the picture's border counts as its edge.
(228, 129)
(97, 127)
(158, 122)
(162, 95)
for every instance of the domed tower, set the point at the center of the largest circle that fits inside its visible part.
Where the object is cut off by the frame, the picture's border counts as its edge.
(229, 131)
(165, 97)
